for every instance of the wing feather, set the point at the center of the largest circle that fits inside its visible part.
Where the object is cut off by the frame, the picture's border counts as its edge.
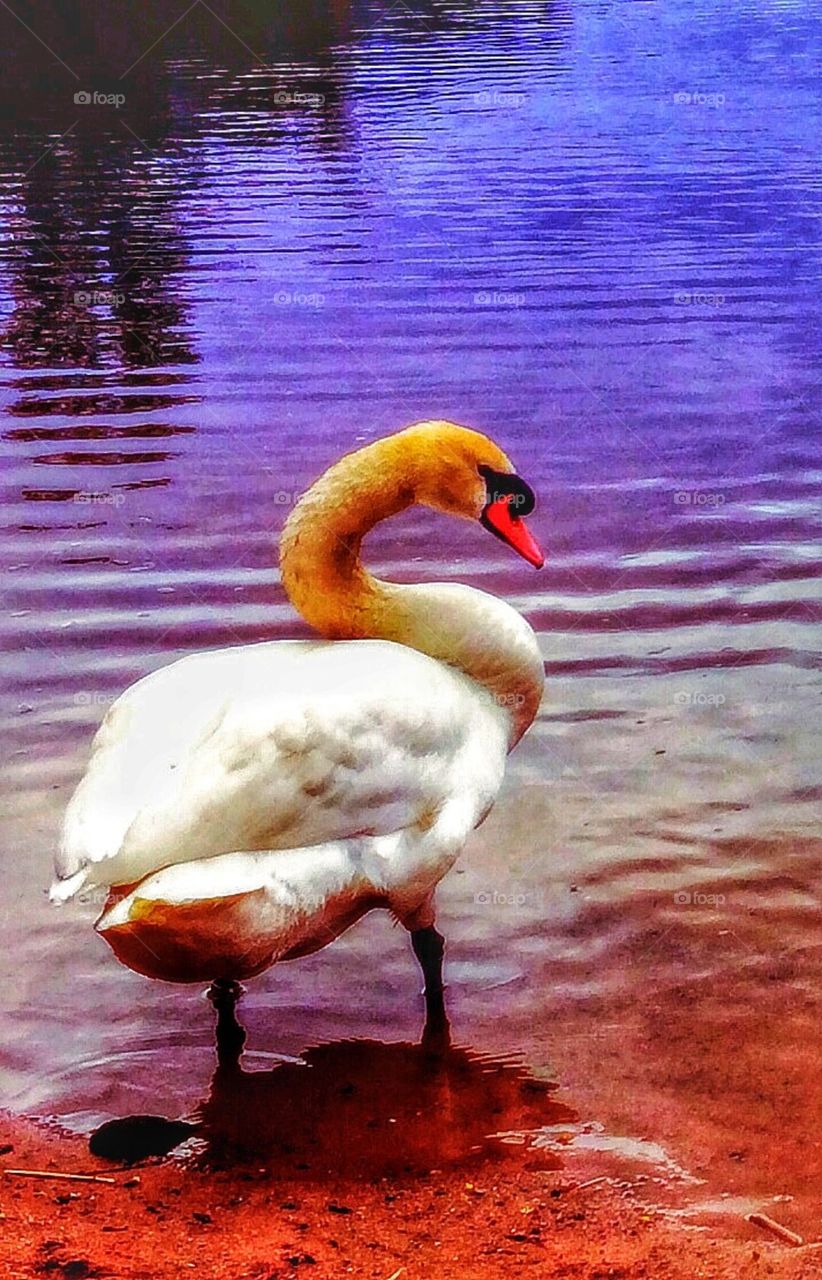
(274, 746)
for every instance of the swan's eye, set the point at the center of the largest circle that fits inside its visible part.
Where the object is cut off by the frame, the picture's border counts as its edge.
(507, 500)
(503, 486)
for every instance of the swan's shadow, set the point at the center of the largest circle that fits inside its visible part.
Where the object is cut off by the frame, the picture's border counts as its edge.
(355, 1107)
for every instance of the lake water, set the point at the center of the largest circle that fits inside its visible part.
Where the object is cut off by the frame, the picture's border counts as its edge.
(589, 229)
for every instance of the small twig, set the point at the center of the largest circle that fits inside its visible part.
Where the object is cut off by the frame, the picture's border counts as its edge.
(397, 1274)
(62, 1177)
(592, 1182)
(768, 1224)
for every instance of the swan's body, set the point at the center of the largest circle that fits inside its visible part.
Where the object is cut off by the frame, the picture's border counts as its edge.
(248, 804)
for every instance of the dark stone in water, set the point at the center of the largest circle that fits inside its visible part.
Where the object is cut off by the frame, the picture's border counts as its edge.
(137, 1137)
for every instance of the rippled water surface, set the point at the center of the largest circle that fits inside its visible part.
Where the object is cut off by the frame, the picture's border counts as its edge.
(587, 228)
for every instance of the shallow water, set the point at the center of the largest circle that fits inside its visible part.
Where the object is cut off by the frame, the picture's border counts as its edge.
(588, 229)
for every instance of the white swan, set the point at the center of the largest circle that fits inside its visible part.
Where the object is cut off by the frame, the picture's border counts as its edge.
(247, 805)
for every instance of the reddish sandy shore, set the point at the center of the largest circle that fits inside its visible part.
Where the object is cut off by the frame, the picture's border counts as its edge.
(508, 1216)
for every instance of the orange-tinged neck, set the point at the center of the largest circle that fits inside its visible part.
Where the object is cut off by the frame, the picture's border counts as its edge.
(330, 587)
(320, 544)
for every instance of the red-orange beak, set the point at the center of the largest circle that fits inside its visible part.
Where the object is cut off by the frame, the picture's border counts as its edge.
(510, 499)
(499, 517)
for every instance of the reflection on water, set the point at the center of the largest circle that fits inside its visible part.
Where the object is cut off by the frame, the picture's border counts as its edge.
(584, 227)
(93, 281)
(356, 1107)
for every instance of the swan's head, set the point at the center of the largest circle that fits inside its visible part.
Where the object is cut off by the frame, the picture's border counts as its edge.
(463, 473)
(437, 464)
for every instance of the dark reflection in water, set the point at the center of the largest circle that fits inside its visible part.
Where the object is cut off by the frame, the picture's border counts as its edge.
(93, 275)
(99, 248)
(356, 1107)
(136, 1138)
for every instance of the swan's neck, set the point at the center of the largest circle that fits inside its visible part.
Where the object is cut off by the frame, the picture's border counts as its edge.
(320, 548)
(328, 584)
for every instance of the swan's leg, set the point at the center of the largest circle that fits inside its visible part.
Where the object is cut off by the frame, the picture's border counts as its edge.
(224, 994)
(429, 946)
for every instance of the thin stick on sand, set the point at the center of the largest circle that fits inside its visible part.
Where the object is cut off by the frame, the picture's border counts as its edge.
(592, 1182)
(61, 1177)
(768, 1224)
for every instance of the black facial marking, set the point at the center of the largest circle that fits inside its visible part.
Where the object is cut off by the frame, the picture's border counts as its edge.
(502, 486)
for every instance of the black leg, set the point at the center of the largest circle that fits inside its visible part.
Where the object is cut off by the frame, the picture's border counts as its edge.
(429, 946)
(224, 995)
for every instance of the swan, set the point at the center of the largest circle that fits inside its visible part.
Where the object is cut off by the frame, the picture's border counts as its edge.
(246, 805)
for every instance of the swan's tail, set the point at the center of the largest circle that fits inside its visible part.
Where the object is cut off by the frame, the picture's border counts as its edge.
(65, 887)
